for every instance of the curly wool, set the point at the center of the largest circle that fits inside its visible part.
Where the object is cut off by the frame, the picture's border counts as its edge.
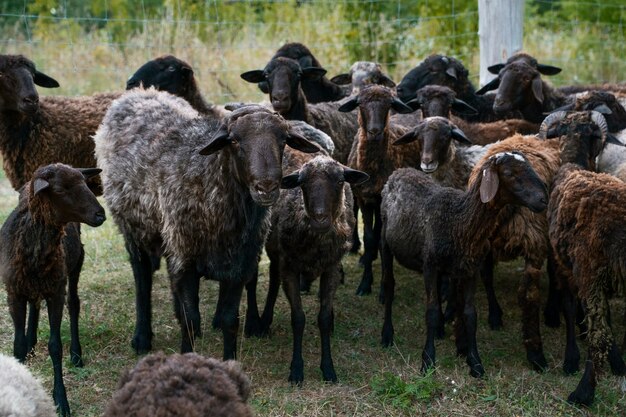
(188, 385)
(21, 394)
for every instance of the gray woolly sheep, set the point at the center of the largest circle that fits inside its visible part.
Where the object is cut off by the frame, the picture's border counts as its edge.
(363, 73)
(176, 385)
(21, 394)
(40, 252)
(163, 165)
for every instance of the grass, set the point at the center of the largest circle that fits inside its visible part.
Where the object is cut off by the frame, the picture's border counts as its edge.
(372, 381)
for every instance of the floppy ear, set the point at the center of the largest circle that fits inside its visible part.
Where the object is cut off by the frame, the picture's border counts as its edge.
(537, 87)
(264, 87)
(414, 104)
(406, 138)
(341, 79)
(290, 181)
(89, 172)
(299, 142)
(386, 81)
(462, 107)
(351, 104)
(460, 136)
(311, 73)
(495, 69)
(610, 138)
(43, 80)
(489, 184)
(400, 107)
(548, 69)
(254, 76)
(40, 185)
(491, 85)
(603, 108)
(354, 177)
(217, 142)
(451, 71)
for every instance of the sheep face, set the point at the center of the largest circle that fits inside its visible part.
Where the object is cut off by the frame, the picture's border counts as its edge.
(438, 100)
(436, 69)
(509, 176)
(18, 77)
(166, 73)
(63, 190)
(283, 77)
(602, 102)
(257, 141)
(322, 182)
(363, 73)
(519, 84)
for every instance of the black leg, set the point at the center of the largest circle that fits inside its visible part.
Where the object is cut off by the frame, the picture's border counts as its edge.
(432, 318)
(495, 312)
(17, 308)
(73, 304)
(369, 253)
(470, 320)
(142, 265)
(33, 323)
(571, 360)
(325, 321)
(253, 325)
(586, 389)
(291, 285)
(55, 349)
(185, 285)
(356, 242)
(551, 312)
(230, 317)
(388, 280)
(268, 311)
(530, 304)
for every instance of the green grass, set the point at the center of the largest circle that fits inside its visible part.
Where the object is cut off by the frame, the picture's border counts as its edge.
(372, 381)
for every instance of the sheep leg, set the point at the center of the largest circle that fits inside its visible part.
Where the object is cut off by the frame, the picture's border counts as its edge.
(142, 265)
(586, 389)
(291, 286)
(460, 334)
(325, 321)
(529, 301)
(73, 305)
(443, 279)
(495, 312)
(389, 281)
(356, 242)
(33, 324)
(618, 367)
(253, 319)
(581, 321)
(571, 361)
(230, 316)
(17, 308)
(268, 311)
(448, 288)
(470, 324)
(432, 318)
(551, 313)
(185, 287)
(55, 350)
(216, 323)
(371, 236)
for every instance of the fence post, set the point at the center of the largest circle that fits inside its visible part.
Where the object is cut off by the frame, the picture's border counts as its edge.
(500, 30)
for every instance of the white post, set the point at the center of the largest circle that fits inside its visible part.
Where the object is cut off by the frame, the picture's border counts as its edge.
(500, 30)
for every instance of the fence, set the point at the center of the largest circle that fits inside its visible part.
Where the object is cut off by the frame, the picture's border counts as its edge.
(95, 45)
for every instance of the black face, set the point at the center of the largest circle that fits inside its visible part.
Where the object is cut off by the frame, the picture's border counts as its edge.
(322, 191)
(520, 85)
(434, 101)
(521, 184)
(166, 73)
(18, 77)
(436, 69)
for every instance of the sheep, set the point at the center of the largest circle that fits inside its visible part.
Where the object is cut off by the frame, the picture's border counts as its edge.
(449, 72)
(311, 231)
(188, 385)
(586, 223)
(363, 73)
(40, 251)
(155, 180)
(318, 88)
(444, 232)
(284, 77)
(168, 73)
(374, 154)
(21, 394)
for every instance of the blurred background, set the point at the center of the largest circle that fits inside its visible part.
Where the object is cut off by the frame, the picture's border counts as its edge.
(94, 45)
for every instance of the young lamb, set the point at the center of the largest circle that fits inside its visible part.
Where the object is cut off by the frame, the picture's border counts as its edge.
(311, 230)
(363, 73)
(21, 394)
(586, 222)
(373, 152)
(176, 385)
(162, 165)
(444, 232)
(40, 252)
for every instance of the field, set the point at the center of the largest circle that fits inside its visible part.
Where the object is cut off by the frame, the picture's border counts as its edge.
(372, 381)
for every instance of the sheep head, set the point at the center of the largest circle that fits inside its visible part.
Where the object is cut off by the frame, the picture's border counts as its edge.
(518, 85)
(363, 73)
(18, 77)
(528, 59)
(438, 100)
(165, 73)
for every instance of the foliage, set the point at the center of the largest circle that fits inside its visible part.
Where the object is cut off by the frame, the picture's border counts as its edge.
(403, 394)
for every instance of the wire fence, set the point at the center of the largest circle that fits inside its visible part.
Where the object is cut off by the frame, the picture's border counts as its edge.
(95, 45)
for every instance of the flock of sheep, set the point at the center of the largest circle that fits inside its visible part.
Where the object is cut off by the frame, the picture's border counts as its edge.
(449, 181)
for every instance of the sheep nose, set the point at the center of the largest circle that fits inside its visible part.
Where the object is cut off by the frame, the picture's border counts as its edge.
(266, 187)
(280, 97)
(31, 100)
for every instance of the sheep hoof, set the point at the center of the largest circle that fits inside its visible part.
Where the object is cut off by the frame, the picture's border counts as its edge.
(364, 290)
(296, 378)
(141, 345)
(256, 329)
(570, 366)
(77, 360)
(387, 338)
(537, 360)
(477, 371)
(329, 375)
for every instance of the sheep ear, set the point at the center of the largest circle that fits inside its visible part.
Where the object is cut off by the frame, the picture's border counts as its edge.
(451, 71)
(495, 69)
(89, 172)
(460, 136)
(264, 87)
(603, 108)
(290, 181)
(305, 61)
(299, 142)
(610, 138)
(312, 73)
(462, 107)
(40, 185)
(44, 80)
(217, 142)
(406, 138)
(537, 87)
(548, 69)
(489, 184)
(351, 104)
(414, 104)
(400, 107)
(386, 81)
(491, 85)
(341, 79)
(254, 76)
(355, 177)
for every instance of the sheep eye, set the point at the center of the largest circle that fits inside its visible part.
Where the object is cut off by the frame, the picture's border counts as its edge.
(171, 68)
